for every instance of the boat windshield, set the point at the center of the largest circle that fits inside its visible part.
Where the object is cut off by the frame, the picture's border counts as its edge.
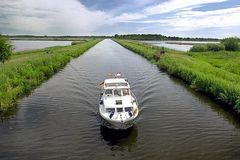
(117, 92)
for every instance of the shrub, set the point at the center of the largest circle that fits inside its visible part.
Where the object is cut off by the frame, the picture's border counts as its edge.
(5, 49)
(215, 47)
(231, 44)
(198, 48)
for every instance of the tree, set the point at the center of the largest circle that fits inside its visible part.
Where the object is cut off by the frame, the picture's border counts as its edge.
(231, 44)
(5, 49)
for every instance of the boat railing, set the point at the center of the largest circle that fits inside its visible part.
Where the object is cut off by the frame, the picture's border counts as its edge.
(134, 97)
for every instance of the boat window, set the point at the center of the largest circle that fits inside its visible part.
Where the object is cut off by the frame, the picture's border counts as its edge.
(128, 109)
(118, 102)
(119, 109)
(117, 92)
(110, 110)
(125, 92)
(108, 92)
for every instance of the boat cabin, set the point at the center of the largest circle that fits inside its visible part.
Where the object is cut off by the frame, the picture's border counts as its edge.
(116, 87)
(115, 83)
(117, 96)
(117, 92)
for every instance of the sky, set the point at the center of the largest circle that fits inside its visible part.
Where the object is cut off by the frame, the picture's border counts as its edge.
(185, 18)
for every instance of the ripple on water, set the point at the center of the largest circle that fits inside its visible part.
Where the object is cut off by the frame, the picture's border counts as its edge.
(59, 119)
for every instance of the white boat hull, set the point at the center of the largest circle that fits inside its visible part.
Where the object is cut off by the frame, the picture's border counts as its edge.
(118, 105)
(117, 124)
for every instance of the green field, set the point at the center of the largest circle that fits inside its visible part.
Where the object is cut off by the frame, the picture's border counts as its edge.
(214, 73)
(26, 70)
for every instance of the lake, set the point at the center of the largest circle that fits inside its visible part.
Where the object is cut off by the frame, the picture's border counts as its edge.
(23, 45)
(176, 45)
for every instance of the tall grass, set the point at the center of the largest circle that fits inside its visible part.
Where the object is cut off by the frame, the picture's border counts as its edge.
(207, 47)
(196, 71)
(228, 61)
(142, 49)
(215, 47)
(29, 69)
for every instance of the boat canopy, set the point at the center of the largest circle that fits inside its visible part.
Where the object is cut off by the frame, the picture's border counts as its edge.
(116, 83)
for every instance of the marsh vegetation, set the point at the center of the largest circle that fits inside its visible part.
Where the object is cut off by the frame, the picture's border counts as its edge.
(216, 74)
(228, 44)
(28, 69)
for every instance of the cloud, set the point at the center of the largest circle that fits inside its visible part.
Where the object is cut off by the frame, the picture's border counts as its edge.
(127, 17)
(143, 2)
(174, 5)
(57, 17)
(195, 20)
(183, 16)
(61, 17)
(177, 10)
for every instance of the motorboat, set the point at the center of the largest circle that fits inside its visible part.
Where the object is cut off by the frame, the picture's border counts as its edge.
(118, 106)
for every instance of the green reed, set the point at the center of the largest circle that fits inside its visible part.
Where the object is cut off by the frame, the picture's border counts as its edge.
(27, 70)
(215, 74)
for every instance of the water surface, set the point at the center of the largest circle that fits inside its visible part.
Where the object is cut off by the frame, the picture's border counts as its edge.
(23, 45)
(59, 119)
(177, 45)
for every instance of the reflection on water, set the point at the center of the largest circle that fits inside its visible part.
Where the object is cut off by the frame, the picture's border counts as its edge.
(224, 110)
(8, 114)
(120, 138)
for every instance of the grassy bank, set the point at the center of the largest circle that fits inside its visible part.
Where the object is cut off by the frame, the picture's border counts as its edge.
(26, 70)
(216, 74)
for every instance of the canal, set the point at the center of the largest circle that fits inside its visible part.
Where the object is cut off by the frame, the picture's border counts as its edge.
(59, 119)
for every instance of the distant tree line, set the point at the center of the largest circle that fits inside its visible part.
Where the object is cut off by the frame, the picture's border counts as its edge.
(157, 37)
(160, 37)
